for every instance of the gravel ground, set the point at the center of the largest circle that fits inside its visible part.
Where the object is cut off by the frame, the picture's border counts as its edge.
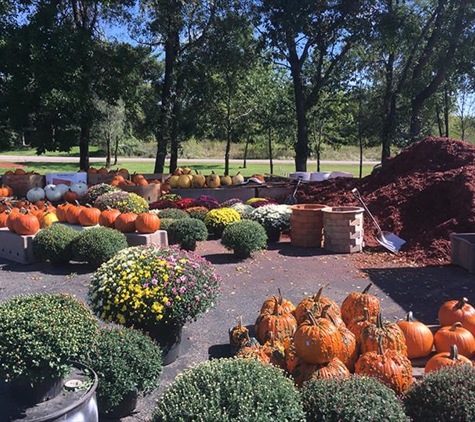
(400, 285)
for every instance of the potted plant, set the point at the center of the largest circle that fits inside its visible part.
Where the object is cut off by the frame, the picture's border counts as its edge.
(274, 219)
(186, 232)
(157, 289)
(39, 337)
(217, 219)
(128, 364)
(122, 201)
(244, 237)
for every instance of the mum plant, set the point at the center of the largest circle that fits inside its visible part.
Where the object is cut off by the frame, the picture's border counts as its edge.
(244, 238)
(272, 217)
(230, 202)
(122, 201)
(97, 190)
(206, 201)
(163, 204)
(243, 209)
(127, 362)
(185, 203)
(172, 213)
(170, 197)
(197, 212)
(186, 232)
(40, 334)
(148, 285)
(216, 220)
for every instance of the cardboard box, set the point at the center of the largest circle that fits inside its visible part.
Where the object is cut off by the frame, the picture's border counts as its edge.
(66, 178)
(150, 193)
(96, 178)
(16, 248)
(21, 184)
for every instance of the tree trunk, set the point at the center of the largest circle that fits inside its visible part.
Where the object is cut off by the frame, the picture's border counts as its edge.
(271, 162)
(446, 110)
(439, 120)
(176, 122)
(84, 146)
(389, 110)
(301, 146)
(246, 147)
(116, 150)
(108, 151)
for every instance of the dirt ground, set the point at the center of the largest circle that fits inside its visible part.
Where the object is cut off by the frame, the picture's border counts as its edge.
(299, 272)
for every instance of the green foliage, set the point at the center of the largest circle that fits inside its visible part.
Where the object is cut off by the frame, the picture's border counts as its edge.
(351, 399)
(97, 190)
(165, 224)
(244, 237)
(173, 213)
(186, 232)
(41, 333)
(54, 243)
(230, 390)
(98, 244)
(216, 220)
(197, 212)
(442, 396)
(126, 361)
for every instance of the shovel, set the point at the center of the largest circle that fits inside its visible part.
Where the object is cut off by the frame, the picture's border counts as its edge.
(293, 200)
(387, 239)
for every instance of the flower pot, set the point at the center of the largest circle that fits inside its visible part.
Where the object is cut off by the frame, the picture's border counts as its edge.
(125, 407)
(242, 254)
(306, 225)
(168, 336)
(273, 235)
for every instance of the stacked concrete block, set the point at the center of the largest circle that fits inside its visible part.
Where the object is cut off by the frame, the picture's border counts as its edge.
(306, 225)
(343, 229)
(16, 248)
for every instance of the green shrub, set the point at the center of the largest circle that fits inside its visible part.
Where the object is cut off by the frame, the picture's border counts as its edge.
(217, 220)
(186, 232)
(126, 361)
(445, 395)
(40, 334)
(165, 224)
(54, 243)
(98, 244)
(172, 213)
(244, 237)
(230, 390)
(351, 399)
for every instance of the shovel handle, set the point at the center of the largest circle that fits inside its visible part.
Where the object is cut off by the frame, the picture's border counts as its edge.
(357, 195)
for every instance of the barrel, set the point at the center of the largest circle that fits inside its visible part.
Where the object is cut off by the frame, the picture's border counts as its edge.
(306, 225)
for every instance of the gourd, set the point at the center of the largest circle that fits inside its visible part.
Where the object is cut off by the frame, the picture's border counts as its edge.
(317, 340)
(277, 324)
(238, 335)
(48, 219)
(445, 337)
(213, 180)
(173, 181)
(388, 334)
(238, 179)
(198, 181)
(147, 222)
(271, 352)
(184, 181)
(387, 365)
(419, 338)
(226, 180)
(125, 222)
(445, 359)
(354, 304)
(35, 194)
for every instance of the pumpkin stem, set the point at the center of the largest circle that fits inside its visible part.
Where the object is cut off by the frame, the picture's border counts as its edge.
(454, 352)
(380, 346)
(239, 321)
(325, 310)
(318, 295)
(280, 296)
(330, 317)
(461, 303)
(276, 306)
(366, 314)
(410, 317)
(379, 320)
(456, 325)
(365, 291)
(311, 317)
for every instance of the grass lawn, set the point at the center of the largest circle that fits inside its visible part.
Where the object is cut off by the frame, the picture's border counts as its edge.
(282, 169)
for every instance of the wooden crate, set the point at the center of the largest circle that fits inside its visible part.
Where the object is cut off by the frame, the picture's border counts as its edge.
(16, 248)
(21, 184)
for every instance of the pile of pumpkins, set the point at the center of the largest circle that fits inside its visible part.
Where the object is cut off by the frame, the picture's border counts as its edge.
(5, 191)
(57, 193)
(184, 179)
(318, 339)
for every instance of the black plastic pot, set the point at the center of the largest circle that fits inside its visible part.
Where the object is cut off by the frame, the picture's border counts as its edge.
(168, 336)
(125, 407)
(74, 403)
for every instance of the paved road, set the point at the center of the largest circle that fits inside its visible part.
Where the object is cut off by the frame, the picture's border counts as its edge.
(55, 159)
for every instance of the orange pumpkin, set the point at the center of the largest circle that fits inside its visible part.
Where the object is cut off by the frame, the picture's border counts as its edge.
(3, 218)
(445, 359)
(306, 371)
(388, 366)
(238, 335)
(72, 213)
(354, 304)
(89, 216)
(315, 304)
(277, 324)
(137, 177)
(458, 311)
(102, 170)
(272, 352)
(61, 211)
(142, 182)
(456, 334)
(92, 170)
(147, 222)
(19, 172)
(12, 218)
(348, 352)
(70, 196)
(26, 224)
(108, 217)
(419, 338)
(125, 222)
(388, 334)
(317, 340)
(359, 324)
(285, 305)
(5, 191)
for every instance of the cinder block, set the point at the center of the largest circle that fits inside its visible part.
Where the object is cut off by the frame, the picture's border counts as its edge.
(160, 237)
(16, 248)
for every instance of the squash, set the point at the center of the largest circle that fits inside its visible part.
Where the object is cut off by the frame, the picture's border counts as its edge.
(48, 219)
(389, 366)
(53, 193)
(89, 216)
(445, 359)
(419, 338)
(35, 194)
(108, 217)
(458, 335)
(285, 305)
(80, 188)
(226, 180)
(315, 304)
(173, 181)
(317, 340)
(198, 181)
(353, 305)
(272, 352)
(238, 335)
(184, 181)
(213, 180)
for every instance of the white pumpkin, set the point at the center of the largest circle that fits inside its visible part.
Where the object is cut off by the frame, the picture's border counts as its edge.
(53, 193)
(238, 179)
(35, 194)
(63, 188)
(80, 188)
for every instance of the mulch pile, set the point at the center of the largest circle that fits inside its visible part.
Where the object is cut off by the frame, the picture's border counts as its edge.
(423, 194)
